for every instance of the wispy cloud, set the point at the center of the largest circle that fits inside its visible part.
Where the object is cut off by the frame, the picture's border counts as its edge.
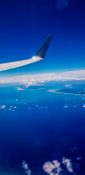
(26, 168)
(29, 80)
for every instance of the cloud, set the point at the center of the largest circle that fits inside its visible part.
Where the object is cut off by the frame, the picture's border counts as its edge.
(52, 91)
(2, 106)
(79, 158)
(20, 88)
(68, 164)
(52, 168)
(58, 168)
(68, 85)
(83, 106)
(65, 106)
(33, 79)
(9, 108)
(26, 168)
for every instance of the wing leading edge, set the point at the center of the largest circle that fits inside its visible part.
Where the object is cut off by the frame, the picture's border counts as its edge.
(38, 57)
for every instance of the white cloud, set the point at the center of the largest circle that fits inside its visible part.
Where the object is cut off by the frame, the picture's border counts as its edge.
(9, 108)
(58, 168)
(52, 168)
(16, 99)
(83, 106)
(65, 106)
(2, 106)
(68, 85)
(26, 168)
(79, 158)
(19, 88)
(12, 108)
(52, 91)
(29, 80)
(68, 164)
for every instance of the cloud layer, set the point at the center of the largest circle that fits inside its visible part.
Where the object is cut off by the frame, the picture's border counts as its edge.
(29, 80)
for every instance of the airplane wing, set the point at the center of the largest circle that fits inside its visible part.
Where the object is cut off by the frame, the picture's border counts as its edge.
(38, 57)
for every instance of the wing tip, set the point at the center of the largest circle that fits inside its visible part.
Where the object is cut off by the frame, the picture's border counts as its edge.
(44, 47)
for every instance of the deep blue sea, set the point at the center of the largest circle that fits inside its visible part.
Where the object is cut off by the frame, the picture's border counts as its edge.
(39, 124)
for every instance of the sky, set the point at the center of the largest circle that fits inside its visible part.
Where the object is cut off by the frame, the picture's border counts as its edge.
(24, 25)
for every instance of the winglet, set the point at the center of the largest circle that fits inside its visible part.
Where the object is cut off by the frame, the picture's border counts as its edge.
(43, 49)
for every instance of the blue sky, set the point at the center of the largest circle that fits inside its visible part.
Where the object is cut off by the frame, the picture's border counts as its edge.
(25, 24)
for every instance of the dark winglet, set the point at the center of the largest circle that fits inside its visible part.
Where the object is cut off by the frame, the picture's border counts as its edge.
(43, 49)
